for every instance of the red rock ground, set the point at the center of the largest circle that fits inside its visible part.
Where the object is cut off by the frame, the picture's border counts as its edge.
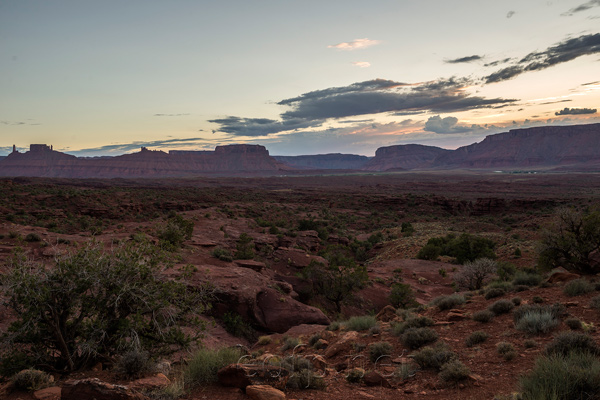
(510, 209)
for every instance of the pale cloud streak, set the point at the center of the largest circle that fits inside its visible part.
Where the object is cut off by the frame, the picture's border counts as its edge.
(362, 64)
(355, 44)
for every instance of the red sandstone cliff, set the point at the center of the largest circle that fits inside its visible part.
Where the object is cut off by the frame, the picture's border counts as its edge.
(403, 157)
(573, 147)
(325, 161)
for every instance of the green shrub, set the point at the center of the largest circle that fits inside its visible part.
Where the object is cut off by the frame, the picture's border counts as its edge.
(476, 337)
(412, 322)
(556, 310)
(237, 326)
(527, 278)
(571, 376)
(134, 364)
(569, 341)
(475, 274)
(418, 337)
(521, 288)
(378, 350)
(264, 340)
(464, 248)
(96, 302)
(334, 326)
(222, 254)
(516, 301)
(306, 379)
(405, 371)
(454, 372)
(536, 322)
(448, 302)
(355, 375)
(537, 299)
(429, 252)
(290, 343)
(337, 281)
(202, 368)
(402, 296)
(574, 323)
(572, 242)
(314, 339)
(483, 316)
(434, 357)
(497, 284)
(244, 249)
(501, 306)
(494, 292)
(360, 323)
(31, 380)
(33, 237)
(530, 343)
(504, 347)
(595, 302)
(296, 363)
(175, 232)
(578, 287)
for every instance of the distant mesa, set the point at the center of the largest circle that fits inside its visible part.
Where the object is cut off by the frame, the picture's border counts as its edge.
(404, 157)
(551, 148)
(238, 159)
(325, 161)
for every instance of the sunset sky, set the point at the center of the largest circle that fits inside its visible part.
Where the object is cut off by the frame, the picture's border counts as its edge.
(299, 77)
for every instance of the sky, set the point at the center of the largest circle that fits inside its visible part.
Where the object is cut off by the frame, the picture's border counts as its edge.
(106, 77)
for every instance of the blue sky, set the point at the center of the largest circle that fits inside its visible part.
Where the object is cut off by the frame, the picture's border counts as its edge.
(299, 77)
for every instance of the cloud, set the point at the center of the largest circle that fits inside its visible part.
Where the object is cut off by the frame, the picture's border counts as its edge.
(582, 7)
(438, 124)
(380, 96)
(170, 115)
(312, 109)
(355, 45)
(567, 50)
(362, 64)
(576, 111)
(260, 126)
(510, 14)
(497, 62)
(464, 59)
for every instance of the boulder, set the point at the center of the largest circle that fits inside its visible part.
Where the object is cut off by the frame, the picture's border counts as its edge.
(244, 375)
(93, 388)
(387, 313)
(51, 393)
(264, 392)
(297, 258)
(374, 378)
(279, 313)
(561, 275)
(308, 240)
(157, 381)
(343, 344)
(250, 294)
(255, 265)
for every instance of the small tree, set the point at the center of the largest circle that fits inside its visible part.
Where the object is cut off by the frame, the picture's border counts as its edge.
(93, 304)
(175, 232)
(337, 281)
(475, 273)
(244, 247)
(572, 240)
(402, 296)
